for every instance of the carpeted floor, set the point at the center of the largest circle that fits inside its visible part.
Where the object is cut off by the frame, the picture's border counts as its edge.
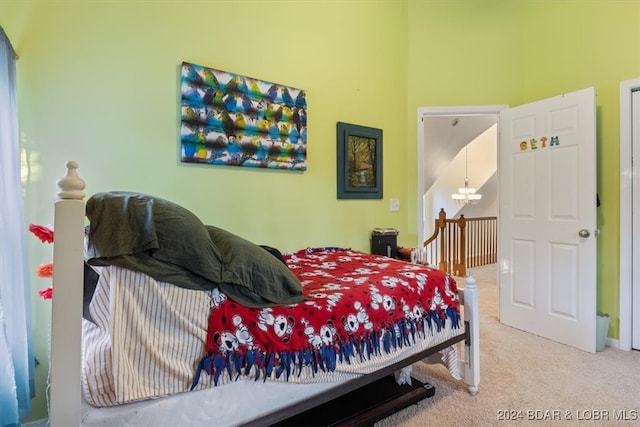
(528, 380)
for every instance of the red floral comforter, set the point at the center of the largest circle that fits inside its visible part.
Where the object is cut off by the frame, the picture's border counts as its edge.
(356, 305)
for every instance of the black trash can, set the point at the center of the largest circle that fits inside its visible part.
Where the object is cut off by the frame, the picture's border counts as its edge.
(384, 241)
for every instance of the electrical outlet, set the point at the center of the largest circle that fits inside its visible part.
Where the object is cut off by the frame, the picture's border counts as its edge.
(394, 205)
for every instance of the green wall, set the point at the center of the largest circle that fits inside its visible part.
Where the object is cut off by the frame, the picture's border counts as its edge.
(594, 44)
(98, 83)
(460, 53)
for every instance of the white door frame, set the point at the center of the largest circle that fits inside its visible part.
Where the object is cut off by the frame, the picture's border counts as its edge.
(442, 111)
(626, 195)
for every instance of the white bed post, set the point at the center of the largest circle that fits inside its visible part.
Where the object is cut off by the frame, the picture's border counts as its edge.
(472, 349)
(66, 310)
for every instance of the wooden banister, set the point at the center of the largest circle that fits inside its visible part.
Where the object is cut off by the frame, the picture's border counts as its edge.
(458, 244)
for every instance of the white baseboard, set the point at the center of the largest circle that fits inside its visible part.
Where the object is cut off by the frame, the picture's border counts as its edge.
(613, 343)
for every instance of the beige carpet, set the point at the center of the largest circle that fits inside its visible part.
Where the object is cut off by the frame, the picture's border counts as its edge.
(528, 380)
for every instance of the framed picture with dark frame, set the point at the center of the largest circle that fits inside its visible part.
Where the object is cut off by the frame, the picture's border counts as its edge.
(359, 162)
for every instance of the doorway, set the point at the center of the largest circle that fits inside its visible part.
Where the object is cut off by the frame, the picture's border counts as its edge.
(442, 133)
(526, 167)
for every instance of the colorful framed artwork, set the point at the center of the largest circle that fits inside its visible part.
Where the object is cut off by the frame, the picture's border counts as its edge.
(235, 120)
(359, 162)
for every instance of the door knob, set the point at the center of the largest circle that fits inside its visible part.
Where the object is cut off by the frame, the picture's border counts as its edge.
(584, 233)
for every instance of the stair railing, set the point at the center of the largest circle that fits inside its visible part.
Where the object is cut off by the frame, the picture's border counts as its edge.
(458, 244)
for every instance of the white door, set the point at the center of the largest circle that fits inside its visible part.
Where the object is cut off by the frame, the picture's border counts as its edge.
(547, 218)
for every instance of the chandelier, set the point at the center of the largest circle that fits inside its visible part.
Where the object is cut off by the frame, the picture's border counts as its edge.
(466, 195)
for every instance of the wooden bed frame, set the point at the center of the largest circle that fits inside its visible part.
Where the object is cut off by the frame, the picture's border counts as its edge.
(66, 332)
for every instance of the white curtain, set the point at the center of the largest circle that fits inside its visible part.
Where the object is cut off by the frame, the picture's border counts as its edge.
(16, 343)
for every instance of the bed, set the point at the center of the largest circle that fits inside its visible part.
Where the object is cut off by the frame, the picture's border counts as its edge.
(343, 341)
